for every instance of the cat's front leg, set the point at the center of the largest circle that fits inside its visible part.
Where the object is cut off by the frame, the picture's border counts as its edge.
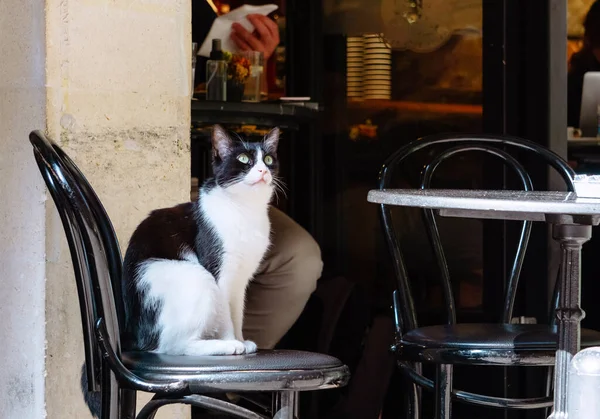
(236, 304)
(236, 299)
(229, 331)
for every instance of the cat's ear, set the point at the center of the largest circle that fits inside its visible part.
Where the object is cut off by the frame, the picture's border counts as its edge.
(222, 143)
(271, 140)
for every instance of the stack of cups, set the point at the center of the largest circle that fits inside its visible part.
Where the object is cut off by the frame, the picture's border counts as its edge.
(354, 62)
(377, 67)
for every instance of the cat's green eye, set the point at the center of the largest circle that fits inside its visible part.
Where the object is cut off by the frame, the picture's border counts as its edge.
(268, 160)
(243, 158)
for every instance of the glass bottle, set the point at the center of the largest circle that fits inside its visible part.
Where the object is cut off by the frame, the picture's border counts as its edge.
(216, 73)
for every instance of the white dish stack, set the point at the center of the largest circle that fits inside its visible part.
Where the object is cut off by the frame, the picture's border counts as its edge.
(377, 67)
(354, 63)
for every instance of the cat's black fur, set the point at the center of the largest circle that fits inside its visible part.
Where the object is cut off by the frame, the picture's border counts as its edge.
(162, 236)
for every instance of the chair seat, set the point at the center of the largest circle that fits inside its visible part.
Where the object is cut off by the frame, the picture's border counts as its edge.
(266, 370)
(503, 344)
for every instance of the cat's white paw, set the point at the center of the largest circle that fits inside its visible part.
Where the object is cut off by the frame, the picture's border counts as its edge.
(250, 346)
(215, 347)
(236, 347)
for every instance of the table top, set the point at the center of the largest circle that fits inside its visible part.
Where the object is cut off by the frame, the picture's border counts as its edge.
(283, 115)
(499, 204)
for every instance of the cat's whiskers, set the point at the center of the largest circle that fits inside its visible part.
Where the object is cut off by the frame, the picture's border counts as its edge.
(237, 179)
(279, 187)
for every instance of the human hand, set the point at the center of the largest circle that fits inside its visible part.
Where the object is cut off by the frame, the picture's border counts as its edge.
(265, 38)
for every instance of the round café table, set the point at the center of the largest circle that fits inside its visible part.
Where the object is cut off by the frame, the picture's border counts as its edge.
(571, 218)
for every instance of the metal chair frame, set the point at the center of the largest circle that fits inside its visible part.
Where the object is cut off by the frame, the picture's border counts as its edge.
(97, 264)
(410, 357)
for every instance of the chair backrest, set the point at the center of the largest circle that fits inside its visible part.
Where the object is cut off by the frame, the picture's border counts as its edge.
(94, 250)
(453, 145)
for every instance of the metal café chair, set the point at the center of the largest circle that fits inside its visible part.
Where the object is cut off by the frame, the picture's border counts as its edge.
(118, 374)
(500, 344)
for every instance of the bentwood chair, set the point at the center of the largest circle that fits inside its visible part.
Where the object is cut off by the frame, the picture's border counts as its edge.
(117, 374)
(500, 344)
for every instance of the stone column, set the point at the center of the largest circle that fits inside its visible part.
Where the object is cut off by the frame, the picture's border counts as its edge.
(109, 81)
(22, 207)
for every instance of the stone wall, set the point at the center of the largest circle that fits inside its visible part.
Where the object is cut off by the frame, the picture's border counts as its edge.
(22, 206)
(118, 77)
(109, 81)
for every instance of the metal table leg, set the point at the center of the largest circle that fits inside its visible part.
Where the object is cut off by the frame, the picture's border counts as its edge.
(569, 313)
(285, 405)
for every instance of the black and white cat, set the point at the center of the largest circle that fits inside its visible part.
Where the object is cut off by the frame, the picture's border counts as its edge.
(187, 268)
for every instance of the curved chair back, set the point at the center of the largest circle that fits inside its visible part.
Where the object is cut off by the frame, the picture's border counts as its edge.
(94, 252)
(105, 229)
(453, 145)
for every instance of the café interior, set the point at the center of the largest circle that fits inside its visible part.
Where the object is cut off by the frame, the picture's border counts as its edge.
(456, 67)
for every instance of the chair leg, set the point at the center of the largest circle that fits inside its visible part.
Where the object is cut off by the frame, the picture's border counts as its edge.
(549, 389)
(147, 414)
(414, 404)
(443, 391)
(206, 402)
(285, 405)
(128, 404)
(110, 394)
(415, 396)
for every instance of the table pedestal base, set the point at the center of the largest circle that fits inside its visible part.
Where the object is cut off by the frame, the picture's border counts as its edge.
(569, 313)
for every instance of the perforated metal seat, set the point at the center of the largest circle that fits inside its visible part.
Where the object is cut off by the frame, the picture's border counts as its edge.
(266, 370)
(481, 343)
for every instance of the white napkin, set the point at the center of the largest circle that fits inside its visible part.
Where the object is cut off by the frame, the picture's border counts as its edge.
(221, 27)
(587, 186)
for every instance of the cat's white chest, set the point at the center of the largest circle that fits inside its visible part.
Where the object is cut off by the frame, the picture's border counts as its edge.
(244, 233)
(245, 236)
